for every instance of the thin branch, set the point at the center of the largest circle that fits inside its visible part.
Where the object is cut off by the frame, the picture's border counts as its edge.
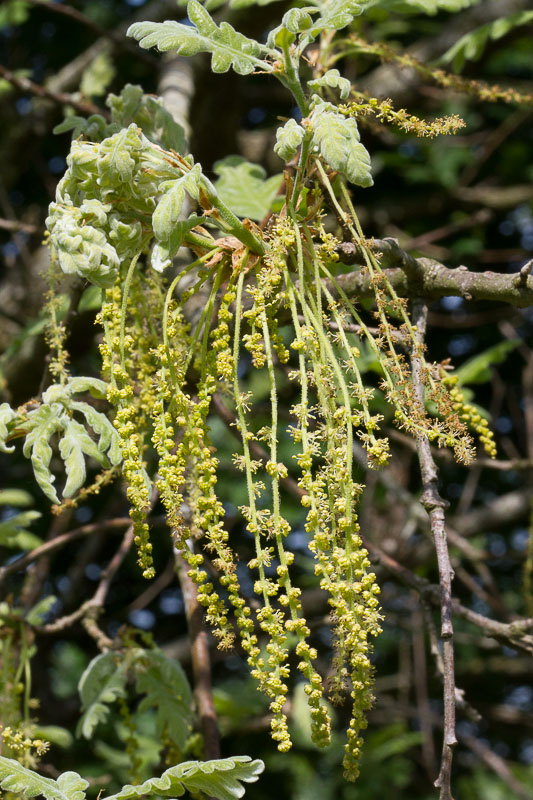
(497, 765)
(421, 692)
(435, 505)
(61, 541)
(117, 39)
(89, 611)
(26, 86)
(69, 75)
(92, 607)
(154, 589)
(427, 278)
(16, 226)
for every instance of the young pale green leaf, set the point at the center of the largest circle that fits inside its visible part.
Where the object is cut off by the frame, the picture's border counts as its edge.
(167, 689)
(332, 78)
(228, 48)
(288, 139)
(335, 14)
(54, 416)
(16, 778)
(37, 614)
(212, 5)
(471, 46)
(13, 531)
(116, 163)
(82, 249)
(98, 75)
(7, 415)
(149, 113)
(95, 386)
(221, 779)
(163, 252)
(94, 128)
(19, 498)
(102, 683)
(337, 140)
(43, 423)
(295, 20)
(242, 186)
(71, 451)
(168, 210)
(109, 442)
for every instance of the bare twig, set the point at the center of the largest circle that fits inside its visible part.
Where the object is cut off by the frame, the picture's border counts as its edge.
(37, 574)
(16, 226)
(435, 505)
(69, 75)
(497, 765)
(428, 278)
(117, 39)
(61, 541)
(525, 272)
(421, 692)
(29, 87)
(155, 588)
(89, 611)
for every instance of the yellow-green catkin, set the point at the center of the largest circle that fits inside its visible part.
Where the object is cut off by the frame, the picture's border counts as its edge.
(55, 331)
(471, 416)
(127, 421)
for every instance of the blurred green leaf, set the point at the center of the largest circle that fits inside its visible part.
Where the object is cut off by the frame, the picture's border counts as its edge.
(37, 614)
(471, 46)
(478, 369)
(244, 187)
(98, 75)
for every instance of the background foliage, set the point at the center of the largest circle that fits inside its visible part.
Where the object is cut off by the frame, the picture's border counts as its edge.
(465, 199)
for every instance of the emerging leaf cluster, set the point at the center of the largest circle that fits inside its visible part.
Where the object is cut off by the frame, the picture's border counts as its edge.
(221, 779)
(160, 679)
(56, 416)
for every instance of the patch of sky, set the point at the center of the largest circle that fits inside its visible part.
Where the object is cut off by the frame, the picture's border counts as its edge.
(298, 540)
(497, 545)
(23, 106)
(256, 116)
(17, 198)
(171, 601)
(142, 618)
(461, 345)
(48, 30)
(520, 538)
(520, 697)
(93, 571)
(63, 584)
(526, 752)
(503, 425)
(451, 303)
(57, 165)
(83, 514)
(409, 149)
